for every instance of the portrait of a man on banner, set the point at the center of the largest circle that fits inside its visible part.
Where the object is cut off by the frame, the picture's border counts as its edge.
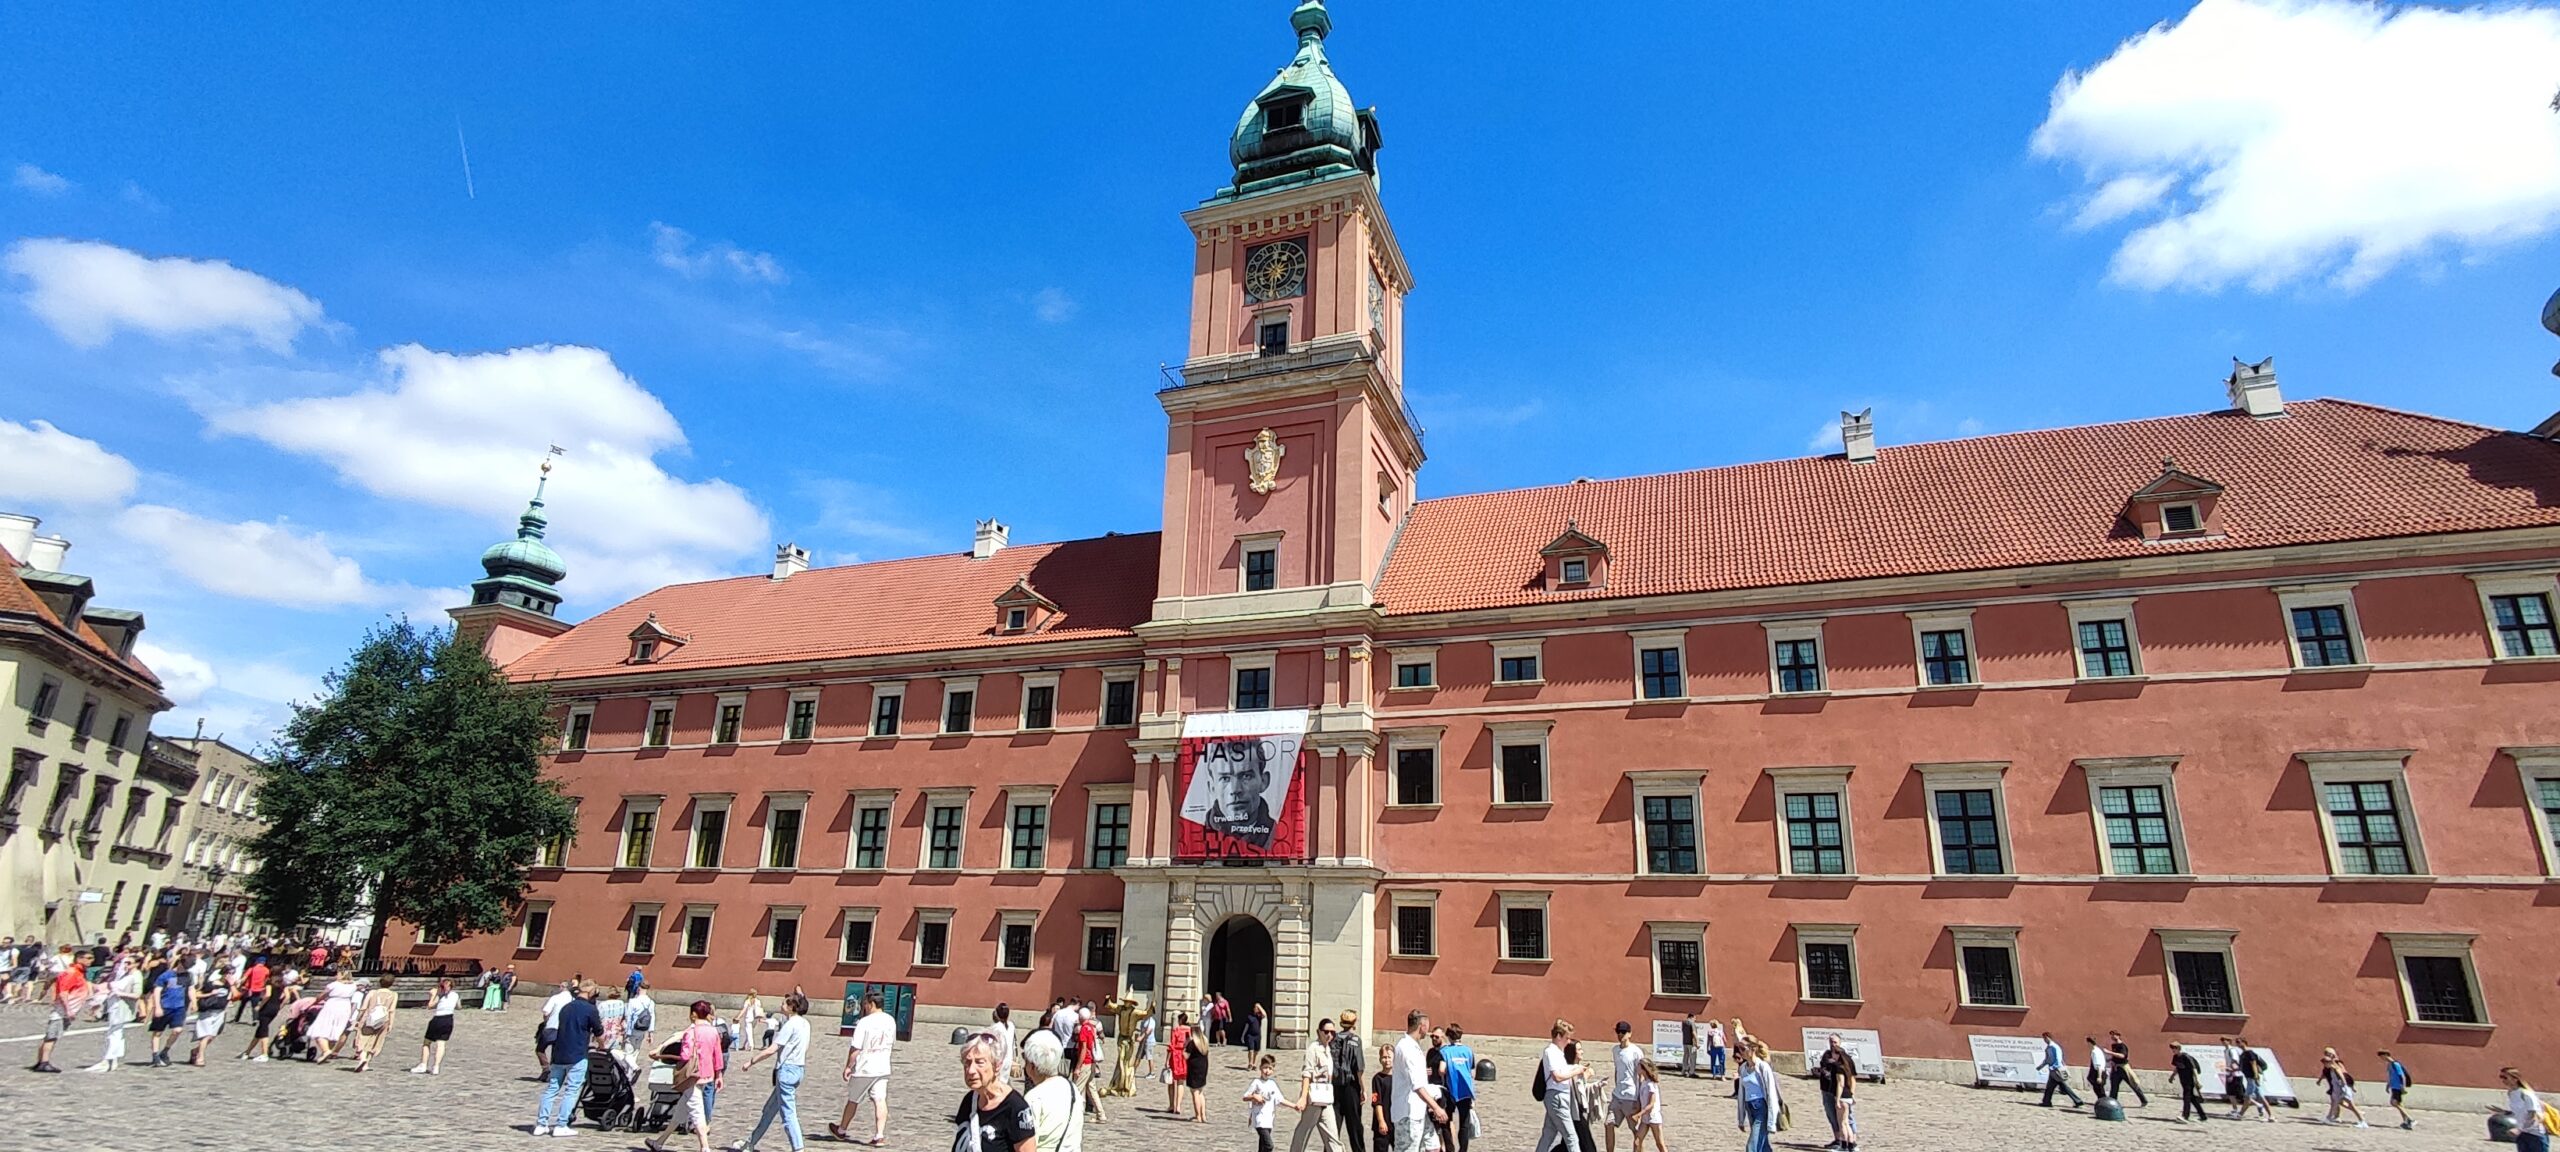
(1240, 768)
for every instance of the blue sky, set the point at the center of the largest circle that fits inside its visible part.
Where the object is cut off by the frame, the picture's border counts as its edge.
(856, 275)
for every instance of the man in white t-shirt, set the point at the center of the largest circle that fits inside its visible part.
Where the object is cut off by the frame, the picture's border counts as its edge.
(1557, 1077)
(866, 1070)
(1624, 1056)
(1413, 1111)
(550, 1029)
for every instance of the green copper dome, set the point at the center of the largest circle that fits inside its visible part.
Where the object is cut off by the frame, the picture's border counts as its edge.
(1302, 127)
(523, 572)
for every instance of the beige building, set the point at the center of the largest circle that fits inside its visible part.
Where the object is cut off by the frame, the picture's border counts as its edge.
(204, 895)
(88, 808)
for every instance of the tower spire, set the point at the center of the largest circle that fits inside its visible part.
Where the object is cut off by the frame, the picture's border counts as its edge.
(525, 572)
(1311, 21)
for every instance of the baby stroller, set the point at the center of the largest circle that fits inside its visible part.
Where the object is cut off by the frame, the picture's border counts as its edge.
(293, 1031)
(608, 1099)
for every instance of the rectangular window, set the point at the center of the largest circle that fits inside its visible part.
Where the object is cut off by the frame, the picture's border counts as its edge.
(871, 839)
(697, 932)
(1828, 972)
(2104, 649)
(1680, 966)
(1517, 668)
(537, 925)
(1660, 669)
(1799, 665)
(1671, 835)
(1816, 845)
(115, 904)
(1261, 569)
(725, 729)
(1040, 706)
(710, 832)
(1016, 619)
(782, 935)
(1524, 933)
(2179, 518)
(1944, 657)
(1102, 947)
(2137, 823)
(1413, 930)
(942, 831)
(639, 829)
(2203, 983)
(1524, 773)
(959, 709)
(2322, 637)
(1576, 571)
(884, 712)
(1413, 674)
(88, 719)
(2546, 792)
(47, 692)
(803, 723)
(122, 729)
(1030, 848)
(2440, 990)
(1119, 703)
(1110, 835)
(782, 838)
(1991, 976)
(933, 940)
(581, 725)
(1273, 339)
(644, 931)
(857, 937)
(2524, 625)
(1015, 945)
(1253, 689)
(1417, 775)
(662, 725)
(1969, 832)
(2364, 817)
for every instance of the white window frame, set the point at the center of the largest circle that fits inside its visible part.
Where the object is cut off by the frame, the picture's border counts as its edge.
(1006, 920)
(926, 916)
(524, 926)
(1689, 783)
(1967, 775)
(1017, 618)
(1102, 707)
(722, 703)
(942, 715)
(1814, 779)
(1807, 934)
(701, 802)
(1022, 710)
(774, 915)
(2004, 937)
(1239, 663)
(2491, 585)
(655, 806)
(2535, 763)
(2102, 772)
(1401, 898)
(1095, 796)
(1675, 639)
(1408, 738)
(791, 705)
(884, 799)
(1511, 899)
(871, 942)
(2217, 940)
(650, 726)
(1252, 542)
(1084, 942)
(1042, 797)
(2179, 533)
(1780, 631)
(1426, 656)
(569, 726)
(777, 802)
(945, 798)
(2390, 765)
(2335, 595)
(631, 935)
(1946, 620)
(1565, 567)
(1512, 733)
(2117, 610)
(2454, 944)
(1693, 931)
(871, 723)
(684, 929)
(1514, 649)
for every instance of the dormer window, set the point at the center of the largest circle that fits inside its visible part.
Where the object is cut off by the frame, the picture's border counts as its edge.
(643, 651)
(2177, 504)
(1575, 560)
(1016, 619)
(1284, 116)
(2176, 519)
(1023, 609)
(1576, 571)
(650, 642)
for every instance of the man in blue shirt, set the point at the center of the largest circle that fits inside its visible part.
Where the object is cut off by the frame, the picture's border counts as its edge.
(169, 988)
(2398, 1083)
(1458, 1067)
(2055, 1072)
(581, 1028)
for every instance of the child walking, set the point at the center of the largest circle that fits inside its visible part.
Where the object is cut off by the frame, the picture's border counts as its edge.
(1648, 1114)
(1262, 1099)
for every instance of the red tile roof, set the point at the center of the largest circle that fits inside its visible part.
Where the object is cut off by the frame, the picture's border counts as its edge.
(18, 599)
(2329, 470)
(1104, 587)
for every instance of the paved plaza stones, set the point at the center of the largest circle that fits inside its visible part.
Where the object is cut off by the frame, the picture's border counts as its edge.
(485, 1099)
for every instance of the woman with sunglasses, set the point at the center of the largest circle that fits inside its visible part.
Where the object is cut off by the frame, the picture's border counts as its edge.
(1316, 1118)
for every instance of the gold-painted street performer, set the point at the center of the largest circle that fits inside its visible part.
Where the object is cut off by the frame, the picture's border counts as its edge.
(1126, 1017)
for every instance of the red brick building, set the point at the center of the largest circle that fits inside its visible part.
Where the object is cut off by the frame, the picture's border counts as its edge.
(2237, 721)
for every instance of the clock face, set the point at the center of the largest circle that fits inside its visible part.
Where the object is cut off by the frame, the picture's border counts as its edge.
(1275, 271)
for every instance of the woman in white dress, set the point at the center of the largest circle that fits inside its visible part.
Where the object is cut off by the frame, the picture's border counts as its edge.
(750, 1023)
(124, 999)
(337, 1010)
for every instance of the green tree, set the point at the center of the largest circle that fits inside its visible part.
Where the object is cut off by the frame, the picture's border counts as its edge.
(415, 780)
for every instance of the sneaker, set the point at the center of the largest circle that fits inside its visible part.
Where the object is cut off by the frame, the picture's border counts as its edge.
(2406, 1125)
(418, 1070)
(2362, 1124)
(541, 1129)
(564, 1130)
(258, 1059)
(45, 1067)
(655, 1144)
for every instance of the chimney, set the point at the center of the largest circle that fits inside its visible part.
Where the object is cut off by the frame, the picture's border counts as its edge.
(1858, 435)
(17, 533)
(991, 539)
(45, 552)
(789, 560)
(2253, 388)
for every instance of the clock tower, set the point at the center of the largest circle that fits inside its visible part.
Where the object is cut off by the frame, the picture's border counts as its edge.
(1291, 453)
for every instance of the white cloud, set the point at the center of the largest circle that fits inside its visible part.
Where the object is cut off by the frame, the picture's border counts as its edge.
(30, 178)
(2314, 139)
(674, 249)
(251, 560)
(41, 465)
(1053, 306)
(273, 682)
(184, 677)
(463, 432)
(86, 291)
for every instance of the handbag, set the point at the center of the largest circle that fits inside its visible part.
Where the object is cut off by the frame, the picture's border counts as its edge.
(1785, 1121)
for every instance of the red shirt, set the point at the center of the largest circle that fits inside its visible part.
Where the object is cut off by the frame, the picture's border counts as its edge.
(1087, 1039)
(71, 987)
(319, 956)
(255, 979)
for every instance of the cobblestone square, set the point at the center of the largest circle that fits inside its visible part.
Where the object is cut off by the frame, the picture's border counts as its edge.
(485, 1098)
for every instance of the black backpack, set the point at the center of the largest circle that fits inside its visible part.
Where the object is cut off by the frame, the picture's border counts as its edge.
(1538, 1081)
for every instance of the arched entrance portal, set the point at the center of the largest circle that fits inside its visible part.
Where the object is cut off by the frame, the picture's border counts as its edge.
(1239, 965)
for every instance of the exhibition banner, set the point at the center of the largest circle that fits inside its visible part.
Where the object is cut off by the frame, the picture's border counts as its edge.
(1243, 796)
(1864, 1047)
(2008, 1061)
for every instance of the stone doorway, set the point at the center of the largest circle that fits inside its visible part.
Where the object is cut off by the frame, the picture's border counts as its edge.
(1239, 963)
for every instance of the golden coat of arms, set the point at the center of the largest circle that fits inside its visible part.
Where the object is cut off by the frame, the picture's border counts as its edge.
(1262, 463)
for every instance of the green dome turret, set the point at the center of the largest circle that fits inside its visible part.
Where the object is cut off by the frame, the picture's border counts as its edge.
(1302, 127)
(523, 572)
